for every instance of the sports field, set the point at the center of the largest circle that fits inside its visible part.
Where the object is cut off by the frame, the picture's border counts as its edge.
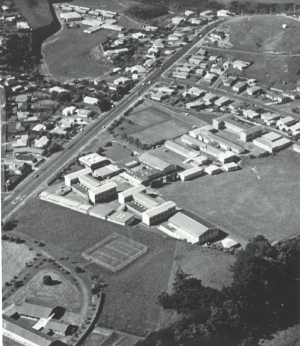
(151, 124)
(115, 252)
(262, 198)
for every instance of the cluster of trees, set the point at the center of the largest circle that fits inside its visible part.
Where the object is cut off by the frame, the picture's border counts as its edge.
(262, 299)
(260, 7)
(146, 12)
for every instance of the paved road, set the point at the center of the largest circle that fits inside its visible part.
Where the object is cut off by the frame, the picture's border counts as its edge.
(32, 186)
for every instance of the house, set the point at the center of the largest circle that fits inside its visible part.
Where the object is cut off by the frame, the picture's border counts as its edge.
(207, 14)
(223, 13)
(90, 100)
(181, 75)
(138, 35)
(21, 142)
(240, 87)
(103, 192)
(210, 77)
(178, 20)
(270, 118)
(23, 26)
(196, 91)
(42, 142)
(167, 90)
(159, 213)
(251, 114)
(159, 43)
(199, 72)
(158, 96)
(138, 68)
(69, 110)
(173, 37)
(198, 104)
(93, 161)
(191, 173)
(209, 97)
(213, 169)
(150, 28)
(285, 122)
(150, 63)
(188, 13)
(83, 113)
(121, 80)
(222, 101)
(58, 90)
(240, 64)
(193, 229)
(255, 90)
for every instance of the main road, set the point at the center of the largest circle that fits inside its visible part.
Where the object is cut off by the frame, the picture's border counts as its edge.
(31, 185)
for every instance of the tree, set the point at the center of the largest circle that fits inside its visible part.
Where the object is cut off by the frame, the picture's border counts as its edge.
(47, 280)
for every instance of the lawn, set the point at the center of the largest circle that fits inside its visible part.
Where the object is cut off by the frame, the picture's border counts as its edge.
(117, 152)
(151, 124)
(108, 5)
(37, 13)
(130, 303)
(262, 198)
(264, 34)
(14, 257)
(64, 293)
(71, 54)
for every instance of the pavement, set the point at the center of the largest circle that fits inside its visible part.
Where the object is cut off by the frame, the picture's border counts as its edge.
(31, 186)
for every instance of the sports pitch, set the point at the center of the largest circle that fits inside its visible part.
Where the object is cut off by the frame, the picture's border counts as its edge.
(115, 252)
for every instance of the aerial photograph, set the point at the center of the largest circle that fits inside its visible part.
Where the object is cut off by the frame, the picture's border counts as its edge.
(150, 172)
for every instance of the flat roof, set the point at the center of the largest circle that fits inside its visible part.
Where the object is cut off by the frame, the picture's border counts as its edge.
(101, 210)
(109, 186)
(89, 181)
(121, 216)
(154, 161)
(92, 159)
(145, 200)
(160, 208)
(133, 190)
(271, 136)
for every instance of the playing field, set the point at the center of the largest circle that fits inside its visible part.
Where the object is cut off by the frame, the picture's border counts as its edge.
(262, 198)
(151, 124)
(115, 252)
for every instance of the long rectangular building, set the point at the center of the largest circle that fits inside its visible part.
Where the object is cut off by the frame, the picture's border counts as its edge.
(159, 213)
(128, 194)
(103, 192)
(73, 178)
(191, 173)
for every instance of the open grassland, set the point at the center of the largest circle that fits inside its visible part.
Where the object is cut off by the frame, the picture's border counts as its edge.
(130, 304)
(297, 2)
(36, 12)
(108, 5)
(69, 233)
(262, 198)
(63, 293)
(117, 152)
(14, 257)
(264, 34)
(267, 69)
(71, 54)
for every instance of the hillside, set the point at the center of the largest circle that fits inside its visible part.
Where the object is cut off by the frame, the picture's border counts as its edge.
(36, 12)
(264, 34)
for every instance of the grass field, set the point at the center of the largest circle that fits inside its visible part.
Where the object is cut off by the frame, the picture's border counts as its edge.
(267, 69)
(117, 152)
(152, 125)
(264, 1)
(71, 54)
(14, 257)
(62, 294)
(37, 13)
(264, 34)
(262, 198)
(109, 5)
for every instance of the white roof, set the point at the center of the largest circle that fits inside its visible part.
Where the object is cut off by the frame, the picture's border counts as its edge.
(160, 208)
(58, 90)
(39, 127)
(211, 168)
(131, 191)
(78, 174)
(102, 188)
(191, 171)
(271, 136)
(228, 243)
(92, 159)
